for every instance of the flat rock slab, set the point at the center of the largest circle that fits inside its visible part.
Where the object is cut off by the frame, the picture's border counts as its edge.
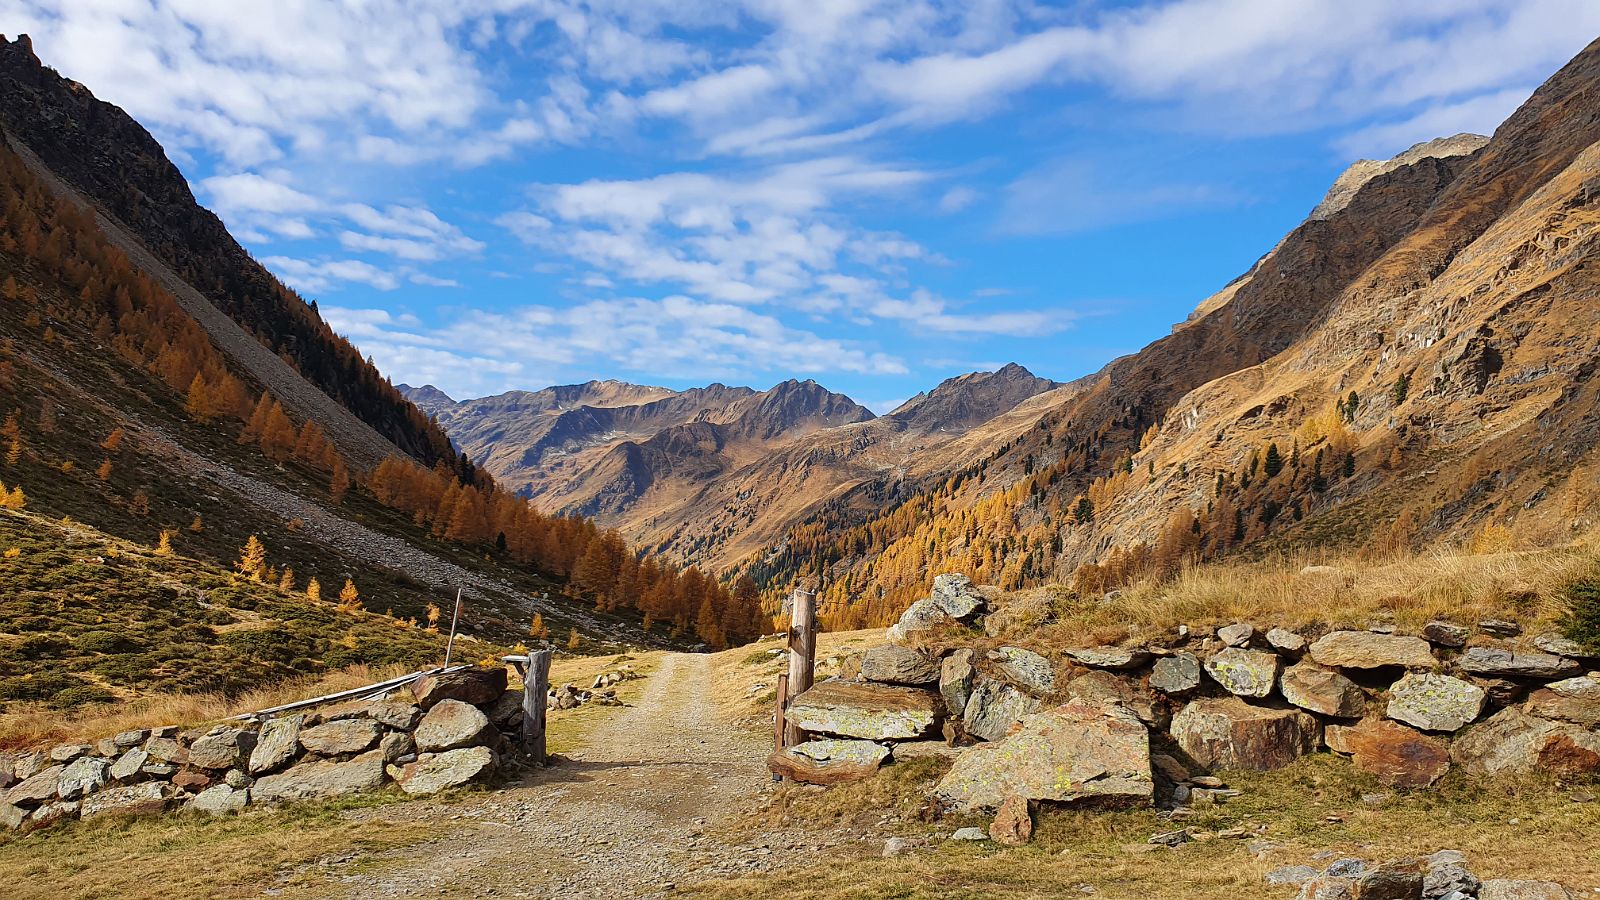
(893, 664)
(322, 779)
(1077, 751)
(1397, 755)
(340, 736)
(1026, 669)
(1435, 702)
(1513, 741)
(1322, 690)
(1109, 657)
(1246, 673)
(477, 686)
(1366, 650)
(1494, 662)
(875, 712)
(829, 761)
(1228, 733)
(452, 768)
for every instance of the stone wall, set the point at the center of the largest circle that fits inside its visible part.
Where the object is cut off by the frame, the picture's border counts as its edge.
(438, 731)
(1147, 723)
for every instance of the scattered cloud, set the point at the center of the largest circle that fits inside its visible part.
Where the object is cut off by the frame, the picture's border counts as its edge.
(1072, 195)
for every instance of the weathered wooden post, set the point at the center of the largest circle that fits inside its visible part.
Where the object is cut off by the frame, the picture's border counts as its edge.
(780, 719)
(802, 655)
(535, 693)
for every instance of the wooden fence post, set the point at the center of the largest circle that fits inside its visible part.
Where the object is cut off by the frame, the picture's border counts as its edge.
(780, 720)
(802, 655)
(535, 694)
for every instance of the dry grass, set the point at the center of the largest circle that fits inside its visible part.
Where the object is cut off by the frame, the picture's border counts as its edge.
(744, 679)
(570, 729)
(1519, 828)
(1406, 591)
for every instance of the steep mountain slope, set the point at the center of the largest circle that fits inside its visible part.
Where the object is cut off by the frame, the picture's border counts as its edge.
(1414, 363)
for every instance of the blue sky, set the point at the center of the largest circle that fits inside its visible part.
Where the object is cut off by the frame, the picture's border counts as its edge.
(500, 194)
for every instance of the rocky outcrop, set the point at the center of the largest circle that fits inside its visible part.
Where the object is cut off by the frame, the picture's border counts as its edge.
(1228, 733)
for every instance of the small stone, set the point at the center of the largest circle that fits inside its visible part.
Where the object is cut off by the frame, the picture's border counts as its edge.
(1447, 873)
(1172, 838)
(138, 799)
(396, 744)
(167, 750)
(860, 710)
(1013, 822)
(1500, 628)
(969, 833)
(474, 686)
(321, 778)
(1245, 673)
(1327, 887)
(896, 846)
(828, 761)
(1237, 635)
(1513, 741)
(1177, 674)
(1575, 700)
(51, 813)
(918, 620)
(36, 789)
(452, 768)
(1561, 645)
(994, 708)
(223, 748)
(1109, 657)
(1285, 641)
(126, 739)
(955, 596)
(1435, 702)
(237, 779)
(955, 681)
(1348, 867)
(1446, 634)
(1231, 734)
(1291, 875)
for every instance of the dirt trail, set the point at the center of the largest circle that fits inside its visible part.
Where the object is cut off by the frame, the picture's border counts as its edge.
(627, 816)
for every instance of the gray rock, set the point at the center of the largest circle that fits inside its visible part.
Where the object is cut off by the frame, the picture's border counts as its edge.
(27, 765)
(1521, 889)
(970, 833)
(11, 817)
(1561, 645)
(893, 664)
(896, 846)
(1100, 687)
(65, 753)
(1236, 635)
(1312, 687)
(1513, 741)
(36, 789)
(452, 724)
(1495, 662)
(277, 744)
(1446, 634)
(921, 617)
(222, 748)
(342, 736)
(158, 770)
(1285, 641)
(220, 800)
(1177, 674)
(1076, 751)
(480, 685)
(84, 775)
(1327, 887)
(167, 750)
(137, 799)
(1500, 628)
(1246, 673)
(1291, 875)
(126, 739)
(453, 768)
(1365, 650)
(956, 596)
(955, 681)
(321, 778)
(1348, 867)
(51, 813)
(1228, 733)
(1026, 669)
(402, 716)
(1447, 873)
(396, 744)
(1109, 657)
(237, 779)
(876, 712)
(1435, 702)
(1575, 700)
(994, 708)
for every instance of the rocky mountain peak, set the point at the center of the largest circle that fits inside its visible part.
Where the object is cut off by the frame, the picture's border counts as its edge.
(1364, 170)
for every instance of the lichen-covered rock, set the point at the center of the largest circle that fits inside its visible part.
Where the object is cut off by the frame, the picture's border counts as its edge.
(1246, 673)
(893, 664)
(477, 686)
(1366, 650)
(1026, 669)
(1099, 687)
(1177, 674)
(1076, 751)
(1109, 657)
(1238, 634)
(321, 778)
(221, 748)
(994, 708)
(453, 768)
(921, 617)
(276, 744)
(1435, 702)
(1446, 634)
(451, 724)
(956, 596)
(402, 716)
(1397, 755)
(1575, 700)
(340, 736)
(1513, 741)
(135, 799)
(1228, 733)
(955, 681)
(828, 761)
(220, 800)
(83, 776)
(1495, 662)
(1286, 641)
(875, 712)
(1321, 690)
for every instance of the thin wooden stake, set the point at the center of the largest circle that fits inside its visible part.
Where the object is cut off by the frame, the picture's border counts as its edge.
(802, 655)
(450, 645)
(535, 693)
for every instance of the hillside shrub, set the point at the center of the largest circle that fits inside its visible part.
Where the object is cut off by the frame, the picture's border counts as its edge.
(1582, 623)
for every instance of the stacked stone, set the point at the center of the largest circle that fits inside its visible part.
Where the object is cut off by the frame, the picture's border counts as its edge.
(441, 731)
(1079, 723)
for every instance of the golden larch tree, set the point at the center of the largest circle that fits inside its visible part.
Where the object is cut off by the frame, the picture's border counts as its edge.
(252, 559)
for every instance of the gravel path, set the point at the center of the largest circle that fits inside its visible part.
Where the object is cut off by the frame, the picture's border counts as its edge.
(632, 814)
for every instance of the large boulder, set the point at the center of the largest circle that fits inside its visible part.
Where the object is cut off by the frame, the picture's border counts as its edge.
(956, 597)
(450, 724)
(453, 768)
(994, 708)
(828, 761)
(36, 789)
(1245, 673)
(321, 778)
(955, 681)
(1026, 669)
(222, 747)
(1435, 702)
(342, 736)
(1228, 733)
(82, 776)
(1368, 650)
(1494, 662)
(477, 686)
(136, 799)
(893, 664)
(1109, 657)
(921, 617)
(876, 712)
(1575, 700)
(1513, 741)
(1077, 751)
(277, 743)
(1397, 755)
(1176, 674)
(1322, 690)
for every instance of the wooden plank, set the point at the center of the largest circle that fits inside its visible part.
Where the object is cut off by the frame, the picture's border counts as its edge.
(364, 691)
(535, 691)
(780, 719)
(802, 654)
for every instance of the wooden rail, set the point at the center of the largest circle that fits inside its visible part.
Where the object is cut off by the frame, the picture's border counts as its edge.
(371, 690)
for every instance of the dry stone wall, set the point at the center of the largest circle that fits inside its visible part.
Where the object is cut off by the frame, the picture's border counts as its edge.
(1147, 723)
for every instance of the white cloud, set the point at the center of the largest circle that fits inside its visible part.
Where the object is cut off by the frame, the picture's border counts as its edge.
(1477, 115)
(957, 198)
(327, 274)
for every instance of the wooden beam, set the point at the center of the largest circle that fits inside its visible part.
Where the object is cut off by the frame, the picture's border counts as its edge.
(535, 694)
(381, 687)
(802, 655)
